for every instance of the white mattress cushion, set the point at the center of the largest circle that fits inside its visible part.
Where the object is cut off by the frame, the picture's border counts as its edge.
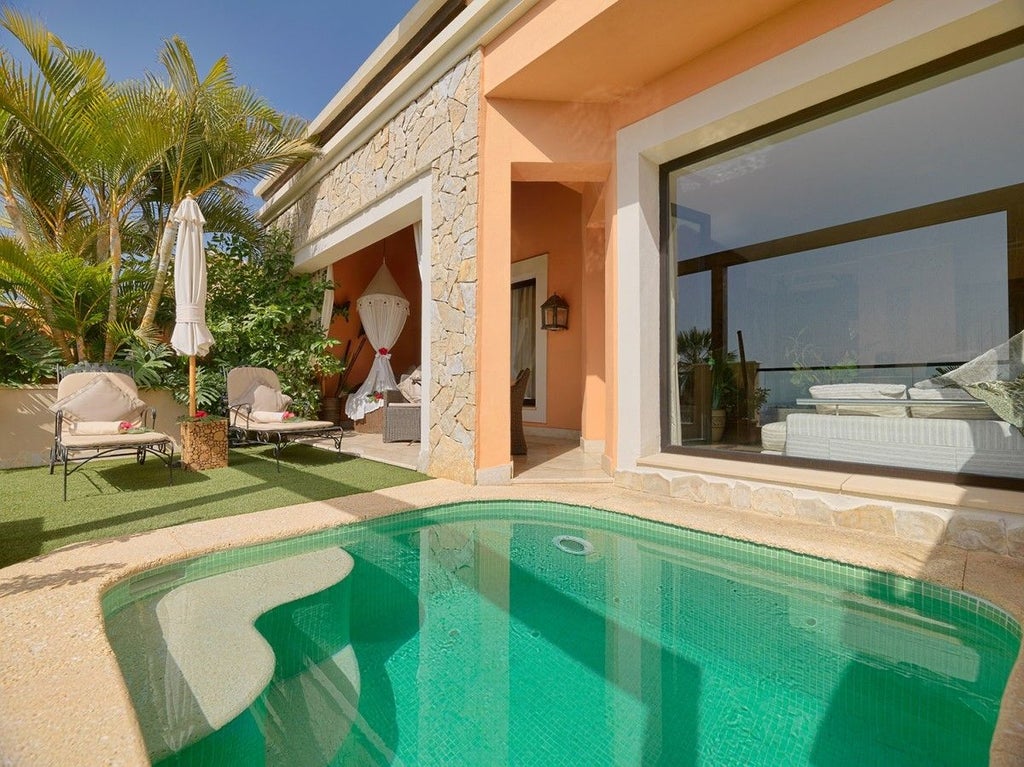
(861, 391)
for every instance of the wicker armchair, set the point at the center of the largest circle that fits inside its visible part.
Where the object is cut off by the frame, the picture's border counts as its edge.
(401, 418)
(516, 401)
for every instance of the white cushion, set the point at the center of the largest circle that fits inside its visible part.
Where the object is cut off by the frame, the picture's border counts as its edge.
(100, 400)
(950, 393)
(269, 399)
(773, 437)
(861, 391)
(410, 388)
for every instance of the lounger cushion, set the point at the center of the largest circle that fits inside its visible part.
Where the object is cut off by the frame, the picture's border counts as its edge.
(269, 400)
(124, 439)
(861, 391)
(100, 400)
(290, 426)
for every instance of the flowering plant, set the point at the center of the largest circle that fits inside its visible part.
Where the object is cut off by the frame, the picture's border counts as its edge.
(289, 416)
(127, 427)
(199, 417)
(375, 396)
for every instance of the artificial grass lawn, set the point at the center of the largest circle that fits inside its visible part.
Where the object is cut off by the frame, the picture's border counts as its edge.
(113, 498)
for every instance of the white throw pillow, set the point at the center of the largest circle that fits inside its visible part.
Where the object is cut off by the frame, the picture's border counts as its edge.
(267, 416)
(410, 389)
(267, 399)
(861, 391)
(100, 400)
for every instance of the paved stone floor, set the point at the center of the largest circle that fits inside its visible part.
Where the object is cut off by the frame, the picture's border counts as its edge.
(555, 460)
(548, 460)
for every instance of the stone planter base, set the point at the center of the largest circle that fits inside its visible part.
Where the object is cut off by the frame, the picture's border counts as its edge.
(204, 445)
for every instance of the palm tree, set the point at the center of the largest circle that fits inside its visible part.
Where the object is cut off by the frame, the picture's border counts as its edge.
(222, 134)
(95, 170)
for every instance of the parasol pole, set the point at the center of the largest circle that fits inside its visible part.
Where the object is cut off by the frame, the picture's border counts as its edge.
(192, 385)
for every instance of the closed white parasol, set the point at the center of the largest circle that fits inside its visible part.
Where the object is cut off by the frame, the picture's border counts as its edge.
(383, 309)
(191, 337)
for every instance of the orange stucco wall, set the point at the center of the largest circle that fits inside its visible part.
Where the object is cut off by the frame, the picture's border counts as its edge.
(351, 275)
(527, 138)
(545, 219)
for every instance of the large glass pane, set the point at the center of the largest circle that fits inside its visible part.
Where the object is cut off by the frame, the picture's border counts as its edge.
(870, 250)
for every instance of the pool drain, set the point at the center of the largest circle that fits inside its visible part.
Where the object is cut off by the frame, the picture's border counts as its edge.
(574, 545)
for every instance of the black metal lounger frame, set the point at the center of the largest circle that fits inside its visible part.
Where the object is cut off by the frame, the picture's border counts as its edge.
(162, 448)
(266, 434)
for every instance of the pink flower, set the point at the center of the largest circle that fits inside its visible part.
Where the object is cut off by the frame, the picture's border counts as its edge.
(124, 426)
(382, 351)
(289, 416)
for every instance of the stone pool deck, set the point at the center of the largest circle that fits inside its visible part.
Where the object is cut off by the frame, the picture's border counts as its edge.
(63, 700)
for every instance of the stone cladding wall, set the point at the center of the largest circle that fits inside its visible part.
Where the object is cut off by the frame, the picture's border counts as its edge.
(998, 532)
(437, 133)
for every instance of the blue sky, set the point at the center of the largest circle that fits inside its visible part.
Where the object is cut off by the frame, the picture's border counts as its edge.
(296, 55)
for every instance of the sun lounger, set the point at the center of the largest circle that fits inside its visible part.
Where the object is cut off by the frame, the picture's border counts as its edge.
(98, 414)
(257, 409)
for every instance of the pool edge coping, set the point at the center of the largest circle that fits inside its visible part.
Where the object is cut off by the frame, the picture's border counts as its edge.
(57, 659)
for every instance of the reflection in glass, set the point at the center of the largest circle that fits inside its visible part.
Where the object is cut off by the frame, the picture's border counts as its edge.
(877, 245)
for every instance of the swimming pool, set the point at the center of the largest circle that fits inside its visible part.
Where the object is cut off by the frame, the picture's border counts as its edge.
(539, 633)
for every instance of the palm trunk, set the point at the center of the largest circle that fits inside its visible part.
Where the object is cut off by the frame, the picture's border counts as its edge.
(160, 278)
(110, 346)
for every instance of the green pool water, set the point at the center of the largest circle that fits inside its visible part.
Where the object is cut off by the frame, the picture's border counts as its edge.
(479, 634)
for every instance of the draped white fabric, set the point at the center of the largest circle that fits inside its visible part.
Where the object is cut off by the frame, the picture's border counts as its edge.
(524, 333)
(191, 337)
(383, 310)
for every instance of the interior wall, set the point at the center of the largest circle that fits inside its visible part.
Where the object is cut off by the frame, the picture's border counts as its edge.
(546, 219)
(351, 275)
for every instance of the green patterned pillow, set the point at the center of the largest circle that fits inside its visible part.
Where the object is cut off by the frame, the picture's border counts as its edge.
(1006, 398)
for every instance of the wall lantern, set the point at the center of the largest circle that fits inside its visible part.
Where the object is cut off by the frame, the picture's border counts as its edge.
(554, 313)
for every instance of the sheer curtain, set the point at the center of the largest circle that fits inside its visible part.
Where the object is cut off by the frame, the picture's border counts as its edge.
(383, 310)
(524, 330)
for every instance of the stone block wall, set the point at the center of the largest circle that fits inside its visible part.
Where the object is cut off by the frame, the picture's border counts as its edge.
(437, 133)
(998, 532)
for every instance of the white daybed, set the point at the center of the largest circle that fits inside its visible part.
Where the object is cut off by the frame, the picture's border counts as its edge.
(934, 429)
